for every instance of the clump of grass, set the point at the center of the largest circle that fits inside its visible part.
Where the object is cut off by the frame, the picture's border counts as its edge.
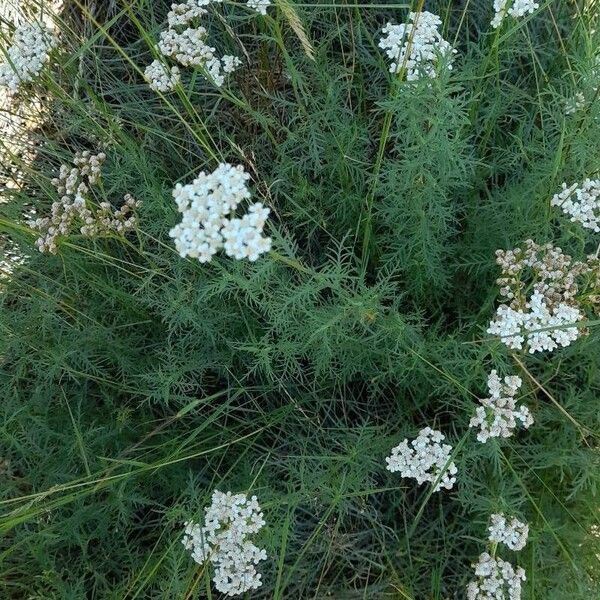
(135, 382)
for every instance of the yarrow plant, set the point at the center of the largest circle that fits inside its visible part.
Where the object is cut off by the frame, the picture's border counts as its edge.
(508, 531)
(425, 459)
(289, 370)
(547, 318)
(224, 541)
(512, 8)
(417, 46)
(73, 185)
(581, 203)
(186, 42)
(25, 58)
(496, 580)
(498, 415)
(204, 205)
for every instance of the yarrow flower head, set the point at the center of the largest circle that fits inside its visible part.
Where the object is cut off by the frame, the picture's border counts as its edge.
(574, 104)
(184, 12)
(581, 203)
(498, 415)
(508, 531)
(516, 9)
(205, 228)
(28, 53)
(161, 78)
(260, 6)
(417, 46)
(224, 541)
(74, 184)
(186, 42)
(547, 318)
(424, 459)
(539, 327)
(496, 580)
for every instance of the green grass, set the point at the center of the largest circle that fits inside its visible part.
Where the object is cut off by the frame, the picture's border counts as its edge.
(135, 382)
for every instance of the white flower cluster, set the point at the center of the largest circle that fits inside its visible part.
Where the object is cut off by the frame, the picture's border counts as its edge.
(518, 8)
(581, 202)
(223, 540)
(188, 47)
(24, 59)
(539, 285)
(183, 13)
(73, 184)
(260, 6)
(512, 533)
(425, 459)
(417, 46)
(186, 43)
(161, 78)
(496, 580)
(574, 104)
(205, 228)
(540, 327)
(498, 415)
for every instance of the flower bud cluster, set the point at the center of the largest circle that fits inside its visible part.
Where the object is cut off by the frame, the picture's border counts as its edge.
(545, 267)
(545, 319)
(516, 9)
(186, 42)
(498, 415)
(28, 53)
(581, 203)
(73, 185)
(417, 46)
(205, 229)
(424, 459)
(508, 531)
(224, 541)
(106, 219)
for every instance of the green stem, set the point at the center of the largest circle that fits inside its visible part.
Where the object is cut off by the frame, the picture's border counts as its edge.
(383, 141)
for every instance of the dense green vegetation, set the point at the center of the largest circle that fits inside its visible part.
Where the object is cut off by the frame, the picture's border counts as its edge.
(134, 382)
